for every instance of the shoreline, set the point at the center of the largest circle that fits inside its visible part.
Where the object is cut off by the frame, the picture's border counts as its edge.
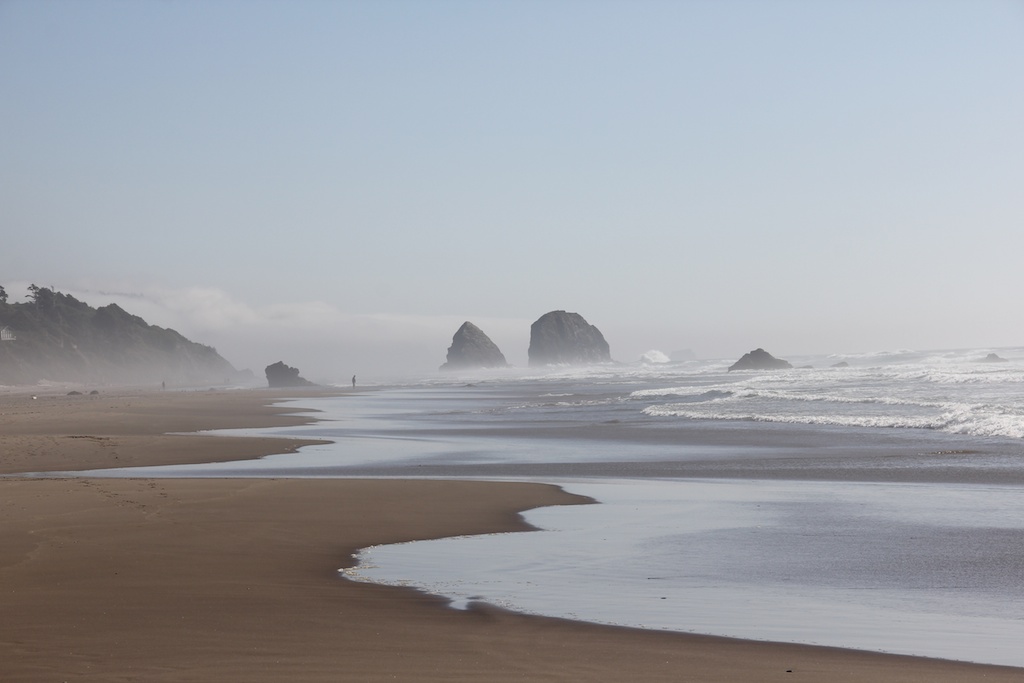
(228, 579)
(55, 432)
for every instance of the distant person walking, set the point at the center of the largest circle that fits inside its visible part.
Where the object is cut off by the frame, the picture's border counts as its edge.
(353, 381)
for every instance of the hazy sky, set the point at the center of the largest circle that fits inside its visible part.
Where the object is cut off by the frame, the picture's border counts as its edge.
(328, 183)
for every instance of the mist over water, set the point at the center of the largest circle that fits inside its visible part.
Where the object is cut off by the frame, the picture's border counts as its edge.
(329, 345)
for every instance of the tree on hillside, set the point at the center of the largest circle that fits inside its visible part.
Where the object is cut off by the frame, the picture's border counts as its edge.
(3, 295)
(42, 297)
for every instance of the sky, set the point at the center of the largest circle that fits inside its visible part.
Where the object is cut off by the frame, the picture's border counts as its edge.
(339, 185)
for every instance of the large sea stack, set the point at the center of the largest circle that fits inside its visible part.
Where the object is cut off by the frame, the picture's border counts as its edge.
(471, 348)
(759, 359)
(560, 338)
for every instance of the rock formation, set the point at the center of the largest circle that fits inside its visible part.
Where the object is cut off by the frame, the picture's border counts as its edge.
(759, 359)
(471, 348)
(993, 358)
(280, 375)
(566, 338)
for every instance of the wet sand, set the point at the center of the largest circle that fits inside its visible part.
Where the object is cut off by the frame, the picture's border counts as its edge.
(236, 580)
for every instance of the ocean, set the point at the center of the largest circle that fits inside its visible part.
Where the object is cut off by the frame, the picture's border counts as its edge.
(871, 501)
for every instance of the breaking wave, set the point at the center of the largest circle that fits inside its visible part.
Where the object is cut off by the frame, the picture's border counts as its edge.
(957, 421)
(956, 392)
(946, 391)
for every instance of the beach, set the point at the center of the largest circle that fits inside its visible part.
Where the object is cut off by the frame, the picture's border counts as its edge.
(228, 579)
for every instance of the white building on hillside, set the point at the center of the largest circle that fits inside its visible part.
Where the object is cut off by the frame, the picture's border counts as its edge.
(6, 334)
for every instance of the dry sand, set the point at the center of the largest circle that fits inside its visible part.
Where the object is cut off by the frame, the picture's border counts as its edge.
(236, 580)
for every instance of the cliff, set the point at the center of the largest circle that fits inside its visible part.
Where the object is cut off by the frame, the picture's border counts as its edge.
(61, 339)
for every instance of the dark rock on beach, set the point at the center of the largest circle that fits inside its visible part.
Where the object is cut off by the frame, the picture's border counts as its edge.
(558, 338)
(471, 348)
(993, 358)
(281, 375)
(759, 359)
